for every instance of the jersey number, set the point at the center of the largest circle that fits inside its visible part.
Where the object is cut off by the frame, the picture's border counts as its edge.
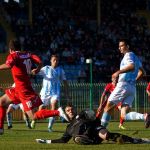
(29, 104)
(28, 65)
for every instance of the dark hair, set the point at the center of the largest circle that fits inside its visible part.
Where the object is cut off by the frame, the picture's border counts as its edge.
(14, 45)
(69, 104)
(54, 55)
(126, 41)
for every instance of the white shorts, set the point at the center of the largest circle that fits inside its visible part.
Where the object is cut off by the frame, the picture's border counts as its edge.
(47, 100)
(16, 106)
(124, 92)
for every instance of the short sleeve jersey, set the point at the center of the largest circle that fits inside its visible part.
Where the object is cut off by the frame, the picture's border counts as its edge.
(52, 78)
(129, 58)
(21, 63)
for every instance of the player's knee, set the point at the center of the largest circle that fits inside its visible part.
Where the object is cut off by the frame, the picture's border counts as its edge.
(103, 134)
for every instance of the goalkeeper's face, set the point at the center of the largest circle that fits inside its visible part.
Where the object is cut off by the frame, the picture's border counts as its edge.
(70, 112)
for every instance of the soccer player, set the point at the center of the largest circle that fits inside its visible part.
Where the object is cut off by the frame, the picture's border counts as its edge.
(84, 128)
(52, 75)
(106, 93)
(130, 70)
(129, 116)
(20, 64)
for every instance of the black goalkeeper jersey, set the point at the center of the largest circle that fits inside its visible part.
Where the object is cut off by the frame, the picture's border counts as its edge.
(80, 125)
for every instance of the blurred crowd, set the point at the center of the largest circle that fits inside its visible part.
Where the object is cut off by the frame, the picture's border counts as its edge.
(72, 32)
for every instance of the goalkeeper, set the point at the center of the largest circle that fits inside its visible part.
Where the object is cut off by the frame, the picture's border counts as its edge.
(86, 129)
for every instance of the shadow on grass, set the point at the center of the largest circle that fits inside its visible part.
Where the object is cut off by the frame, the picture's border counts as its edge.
(34, 130)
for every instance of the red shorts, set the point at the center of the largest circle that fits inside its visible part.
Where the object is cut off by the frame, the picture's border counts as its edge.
(10, 92)
(28, 98)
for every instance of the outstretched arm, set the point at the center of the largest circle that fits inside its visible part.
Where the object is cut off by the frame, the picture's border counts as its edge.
(128, 68)
(64, 139)
(4, 67)
(38, 64)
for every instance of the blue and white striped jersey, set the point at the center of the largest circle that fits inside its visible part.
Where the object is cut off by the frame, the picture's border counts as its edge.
(52, 78)
(129, 58)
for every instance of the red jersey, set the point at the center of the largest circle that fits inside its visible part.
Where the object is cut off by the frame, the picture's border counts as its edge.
(109, 88)
(107, 91)
(148, 87)
(21, 63)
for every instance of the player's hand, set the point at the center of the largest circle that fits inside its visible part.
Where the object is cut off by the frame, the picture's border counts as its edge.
(43, 141)
(34, 71)
(116, 75)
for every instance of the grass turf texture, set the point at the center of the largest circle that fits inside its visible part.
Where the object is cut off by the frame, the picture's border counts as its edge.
(22, 138)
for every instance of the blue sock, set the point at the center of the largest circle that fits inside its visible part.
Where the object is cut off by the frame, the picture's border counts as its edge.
(105, 119)
(9, 119)
(51, 122)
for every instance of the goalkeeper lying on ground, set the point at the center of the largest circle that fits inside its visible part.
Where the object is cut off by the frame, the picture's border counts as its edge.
(85, 128)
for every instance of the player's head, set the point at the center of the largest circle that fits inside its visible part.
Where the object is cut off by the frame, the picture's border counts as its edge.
(70, 111)
(123, 45)
(14, 45)
(54, 60)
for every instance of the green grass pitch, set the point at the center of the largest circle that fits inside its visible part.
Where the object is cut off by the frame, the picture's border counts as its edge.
(22, 138)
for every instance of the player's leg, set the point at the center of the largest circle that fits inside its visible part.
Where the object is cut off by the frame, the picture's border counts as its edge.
(45, 113)
(104, 134)
(4, 103)
(124, 109)
(120, 138)
(27, 120)
(126, 104)
(45, 102)
(139, 116)
(25, 117)
(113, 100)
(54, 101)
(9, 115)
(52, 119)
(31, 107)
(106, 117)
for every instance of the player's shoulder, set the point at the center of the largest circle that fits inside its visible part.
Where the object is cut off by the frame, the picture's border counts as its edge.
(21, 54)
(46, 67)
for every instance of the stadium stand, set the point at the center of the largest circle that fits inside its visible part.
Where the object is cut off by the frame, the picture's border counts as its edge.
(57, 27)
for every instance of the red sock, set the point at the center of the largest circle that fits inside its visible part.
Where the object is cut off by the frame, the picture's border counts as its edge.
(121, 120)
(2, 116)
(44, 113)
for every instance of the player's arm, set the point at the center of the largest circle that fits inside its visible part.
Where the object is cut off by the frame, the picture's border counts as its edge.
(4, 67)
(128, 68)
(38, 64)
(64, 139)
(102, 99)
